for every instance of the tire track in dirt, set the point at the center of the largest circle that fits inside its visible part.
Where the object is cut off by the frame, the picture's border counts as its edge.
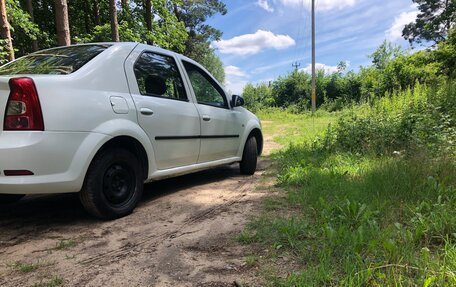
(100, 259)
(181, 234)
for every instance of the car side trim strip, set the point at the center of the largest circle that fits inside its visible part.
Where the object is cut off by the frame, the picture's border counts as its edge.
(195, 137)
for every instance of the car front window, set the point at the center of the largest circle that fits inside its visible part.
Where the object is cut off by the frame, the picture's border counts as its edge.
(205, 89)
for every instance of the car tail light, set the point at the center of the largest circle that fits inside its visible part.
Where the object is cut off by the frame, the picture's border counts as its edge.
(23, 110)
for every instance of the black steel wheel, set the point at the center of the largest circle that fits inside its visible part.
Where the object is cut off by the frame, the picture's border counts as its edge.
(113, 184)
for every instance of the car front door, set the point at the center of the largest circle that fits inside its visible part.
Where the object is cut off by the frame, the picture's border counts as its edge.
(165, 112)
(221, 126)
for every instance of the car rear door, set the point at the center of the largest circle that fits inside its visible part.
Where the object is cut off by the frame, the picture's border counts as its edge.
(165, 112)
(221, 127)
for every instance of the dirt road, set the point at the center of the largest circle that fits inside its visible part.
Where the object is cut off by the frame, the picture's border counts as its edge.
(182, 234)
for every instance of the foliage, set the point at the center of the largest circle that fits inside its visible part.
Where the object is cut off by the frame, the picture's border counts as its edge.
(446, 55)
(173, 21)
(384, 54)
(194, 13)
(23, 30)
(435, 19)
(212, 63)
(392, 70)
(257, 97)
(419, 119)
(351, 217)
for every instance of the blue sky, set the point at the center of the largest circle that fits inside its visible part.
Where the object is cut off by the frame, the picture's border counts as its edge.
(263, 38)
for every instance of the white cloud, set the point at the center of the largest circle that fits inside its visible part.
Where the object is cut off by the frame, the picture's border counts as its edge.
(265, 5)
(321, 4)
(235, 79)
(235, 87)
(249, 44)
(320, 67)
(395, 32)
(234, 71)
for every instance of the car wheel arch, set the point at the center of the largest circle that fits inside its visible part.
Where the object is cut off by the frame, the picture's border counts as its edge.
(132, 145)
(256, 132)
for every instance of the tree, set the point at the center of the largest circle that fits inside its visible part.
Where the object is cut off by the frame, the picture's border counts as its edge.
(342, 66)
(5, 31)
(214, 65)
(32, 19)
(62, 23)
(435, 19)
(194, 14)
(446, 54)
(384, 54)
(114, 23)
(148, 17)
(96, 13)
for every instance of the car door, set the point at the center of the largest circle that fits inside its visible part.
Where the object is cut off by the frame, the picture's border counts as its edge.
(165, 112)
(221, 126)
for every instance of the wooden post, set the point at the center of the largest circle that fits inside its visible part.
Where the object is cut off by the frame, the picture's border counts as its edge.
(314, 74)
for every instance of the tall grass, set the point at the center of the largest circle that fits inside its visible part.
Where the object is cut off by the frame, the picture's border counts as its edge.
(422, 119)
(370, 203)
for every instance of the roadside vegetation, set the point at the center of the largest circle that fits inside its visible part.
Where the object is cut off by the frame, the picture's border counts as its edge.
(366, 195)
(369, 202)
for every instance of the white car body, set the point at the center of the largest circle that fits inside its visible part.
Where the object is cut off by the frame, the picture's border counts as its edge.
(100, 103)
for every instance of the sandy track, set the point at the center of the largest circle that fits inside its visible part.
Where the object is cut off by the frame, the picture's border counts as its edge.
(182, 234)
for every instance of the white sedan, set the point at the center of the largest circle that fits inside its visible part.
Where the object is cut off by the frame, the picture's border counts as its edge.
(102, 119)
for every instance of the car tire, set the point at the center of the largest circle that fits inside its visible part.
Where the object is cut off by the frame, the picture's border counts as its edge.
(249, 157)
(113, 184)
(10, 198)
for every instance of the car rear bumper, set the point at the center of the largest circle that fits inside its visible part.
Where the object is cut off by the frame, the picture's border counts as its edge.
(58, 160)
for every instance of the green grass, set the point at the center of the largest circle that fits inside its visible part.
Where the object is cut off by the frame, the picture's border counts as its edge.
(356, 219)
(25, 267)
(65, 244)
(294, 128)
(53, 282)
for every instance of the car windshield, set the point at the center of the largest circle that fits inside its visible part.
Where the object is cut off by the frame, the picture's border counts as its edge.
(60, 61)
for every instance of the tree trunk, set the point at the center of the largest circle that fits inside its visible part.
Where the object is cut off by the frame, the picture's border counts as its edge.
(114, 24)
(96, 13)
(62, 23)
(32, 18)
(176, 12)
(86, 8)
(148, 11)
(5, 32)
(125, 5)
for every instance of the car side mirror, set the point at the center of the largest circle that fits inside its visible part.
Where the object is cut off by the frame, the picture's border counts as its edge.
(237, 101)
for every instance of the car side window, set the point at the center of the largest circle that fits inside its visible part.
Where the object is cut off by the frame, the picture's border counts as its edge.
(206, 90)
(158, 76)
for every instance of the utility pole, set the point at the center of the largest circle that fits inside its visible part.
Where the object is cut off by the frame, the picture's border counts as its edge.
(314, 81)
(296, 65)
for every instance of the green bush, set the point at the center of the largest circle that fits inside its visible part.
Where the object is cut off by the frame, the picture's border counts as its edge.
(403, 122)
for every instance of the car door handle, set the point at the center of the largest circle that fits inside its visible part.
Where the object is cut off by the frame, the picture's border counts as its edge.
(146, 112)
(206, 118)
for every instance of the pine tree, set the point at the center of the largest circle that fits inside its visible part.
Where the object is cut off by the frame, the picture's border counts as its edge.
(62, 23)
(5, 31)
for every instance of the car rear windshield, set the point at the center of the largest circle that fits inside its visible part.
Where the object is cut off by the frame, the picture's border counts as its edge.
(60, 61)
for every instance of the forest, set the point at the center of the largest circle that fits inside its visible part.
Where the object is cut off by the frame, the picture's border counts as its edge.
(31, 25)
